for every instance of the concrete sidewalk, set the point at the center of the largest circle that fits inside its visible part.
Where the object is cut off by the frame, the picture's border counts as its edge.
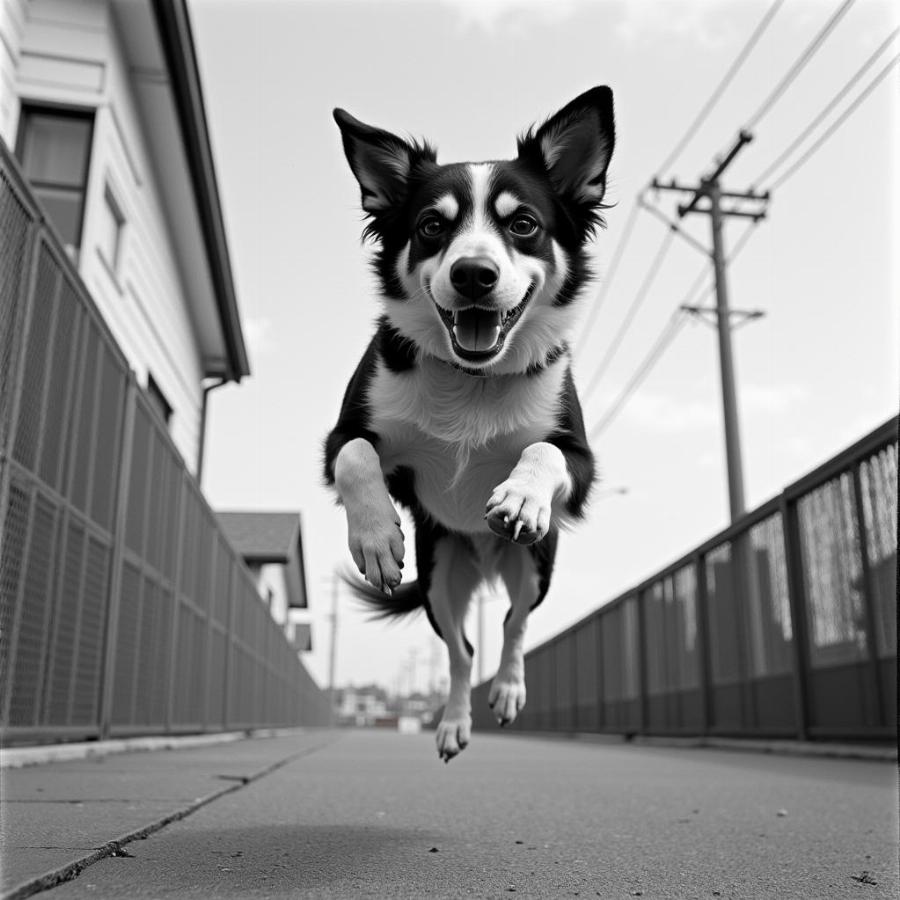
(60, 816)
(374, 814)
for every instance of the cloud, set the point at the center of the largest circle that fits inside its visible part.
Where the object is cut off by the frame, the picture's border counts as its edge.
(664, 414)
(648, 20)
(258, 335)
(771, 399)
(491, 15)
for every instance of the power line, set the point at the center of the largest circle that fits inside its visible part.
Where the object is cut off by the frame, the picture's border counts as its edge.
(837, 123)
(671, 329)
(613, 266)
(826, 110)
(723, 85)
(632, 311)
(799, 65)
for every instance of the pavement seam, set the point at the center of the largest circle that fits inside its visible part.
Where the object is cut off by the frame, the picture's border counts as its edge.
(73, 869)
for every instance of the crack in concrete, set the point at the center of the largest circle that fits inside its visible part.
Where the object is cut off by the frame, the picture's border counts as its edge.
(114, 848)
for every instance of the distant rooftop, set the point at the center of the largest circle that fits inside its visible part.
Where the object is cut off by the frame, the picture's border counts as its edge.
(270, 537)
(262, 536)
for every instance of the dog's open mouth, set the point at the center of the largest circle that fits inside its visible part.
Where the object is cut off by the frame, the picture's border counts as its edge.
(477, 334)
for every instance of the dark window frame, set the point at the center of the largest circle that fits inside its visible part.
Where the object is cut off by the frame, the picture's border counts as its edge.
(114, 208)
(158, 400)
(81, 113)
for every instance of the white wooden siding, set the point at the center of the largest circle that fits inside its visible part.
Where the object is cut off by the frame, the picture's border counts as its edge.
(70, 53)
(12, 26)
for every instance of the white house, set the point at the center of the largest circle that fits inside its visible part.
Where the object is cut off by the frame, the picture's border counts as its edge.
(271, 545)
(102, 104)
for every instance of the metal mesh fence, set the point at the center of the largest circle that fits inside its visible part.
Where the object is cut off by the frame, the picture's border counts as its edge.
(784, 624)
(123, 609)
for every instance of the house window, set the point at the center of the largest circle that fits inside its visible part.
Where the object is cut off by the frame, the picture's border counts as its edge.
(158, 399)
(111, 223)
(54, 149)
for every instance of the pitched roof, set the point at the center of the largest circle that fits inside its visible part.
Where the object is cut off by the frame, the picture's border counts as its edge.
(262, 536)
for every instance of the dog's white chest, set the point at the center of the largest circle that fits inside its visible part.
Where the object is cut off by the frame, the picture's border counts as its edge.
(461, 436)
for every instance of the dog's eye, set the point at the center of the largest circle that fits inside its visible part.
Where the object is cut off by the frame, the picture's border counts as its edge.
(431, 226)
(523, 226)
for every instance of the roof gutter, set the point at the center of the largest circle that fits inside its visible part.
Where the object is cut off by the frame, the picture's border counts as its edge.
(201, 444)
(181, 61)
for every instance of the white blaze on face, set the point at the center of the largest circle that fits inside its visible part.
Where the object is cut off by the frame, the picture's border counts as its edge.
(447, 206)
(506, 204)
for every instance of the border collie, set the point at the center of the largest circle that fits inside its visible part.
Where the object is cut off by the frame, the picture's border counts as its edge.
(463, 408)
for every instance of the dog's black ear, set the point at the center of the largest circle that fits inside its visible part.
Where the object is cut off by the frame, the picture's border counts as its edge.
(575, 145)
(381, 162)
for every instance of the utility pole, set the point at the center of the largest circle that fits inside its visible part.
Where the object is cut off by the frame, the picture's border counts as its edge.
(335, 585)
(710, 189)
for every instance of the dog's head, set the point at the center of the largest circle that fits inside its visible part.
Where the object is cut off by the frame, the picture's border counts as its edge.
(479, 262)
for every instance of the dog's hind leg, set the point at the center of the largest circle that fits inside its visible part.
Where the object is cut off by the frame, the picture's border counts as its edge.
(453, 581)
(526, 574)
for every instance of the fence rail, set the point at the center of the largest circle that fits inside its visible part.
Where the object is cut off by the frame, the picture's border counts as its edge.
(784, 624)
(123, 609)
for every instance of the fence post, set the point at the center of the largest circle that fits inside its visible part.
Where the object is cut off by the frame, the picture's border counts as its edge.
(704, 649)
(176, 603)
(22, 321)
(233, 576)
(107, 678)
(797, 602)
(868, 609)
(213, 717)
(641, 617)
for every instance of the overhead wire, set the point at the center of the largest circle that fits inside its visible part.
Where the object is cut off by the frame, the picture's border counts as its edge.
(639, 298)
(835, 125)
(798, 66)
(673, 326)
(610, 274)
(668, 334)
(679, 316)
(817, 120)
(722, 87)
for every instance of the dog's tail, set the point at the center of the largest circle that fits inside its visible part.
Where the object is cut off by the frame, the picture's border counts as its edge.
(403, 600)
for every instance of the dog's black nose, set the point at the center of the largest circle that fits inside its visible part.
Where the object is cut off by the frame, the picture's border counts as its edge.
(474, 276)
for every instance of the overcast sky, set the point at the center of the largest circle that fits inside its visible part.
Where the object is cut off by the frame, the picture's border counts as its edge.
(819, 371)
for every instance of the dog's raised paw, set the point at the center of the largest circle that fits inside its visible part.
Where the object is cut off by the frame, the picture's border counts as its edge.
(376, 544)
(518, 513)
(506, 699)
(453, 737)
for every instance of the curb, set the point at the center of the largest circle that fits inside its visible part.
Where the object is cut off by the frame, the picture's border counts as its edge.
(782, 747)
(18, 757)
(778, 747)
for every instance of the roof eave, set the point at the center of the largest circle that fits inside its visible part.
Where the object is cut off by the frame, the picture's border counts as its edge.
(178, 46)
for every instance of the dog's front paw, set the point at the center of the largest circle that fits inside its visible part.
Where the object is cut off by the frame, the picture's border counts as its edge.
(453, 737)
(506, 698)
(518, 512)
(376, 544)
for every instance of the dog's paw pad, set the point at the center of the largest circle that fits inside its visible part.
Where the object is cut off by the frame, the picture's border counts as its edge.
(506, 699)
(453, 737)
(518, 514)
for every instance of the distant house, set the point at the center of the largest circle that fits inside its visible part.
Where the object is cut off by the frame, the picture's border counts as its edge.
(101, 102)
(362, 706)
(271, 545)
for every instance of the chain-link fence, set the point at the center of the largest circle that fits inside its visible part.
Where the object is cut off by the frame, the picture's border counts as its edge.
(785, 624)
(123, 609)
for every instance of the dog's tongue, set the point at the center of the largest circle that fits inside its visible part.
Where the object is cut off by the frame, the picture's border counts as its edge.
(476, 329)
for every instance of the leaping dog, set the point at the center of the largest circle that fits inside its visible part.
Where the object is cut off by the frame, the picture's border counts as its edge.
(463, 408)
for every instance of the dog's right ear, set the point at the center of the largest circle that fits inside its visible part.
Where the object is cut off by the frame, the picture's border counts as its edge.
(380, 161)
